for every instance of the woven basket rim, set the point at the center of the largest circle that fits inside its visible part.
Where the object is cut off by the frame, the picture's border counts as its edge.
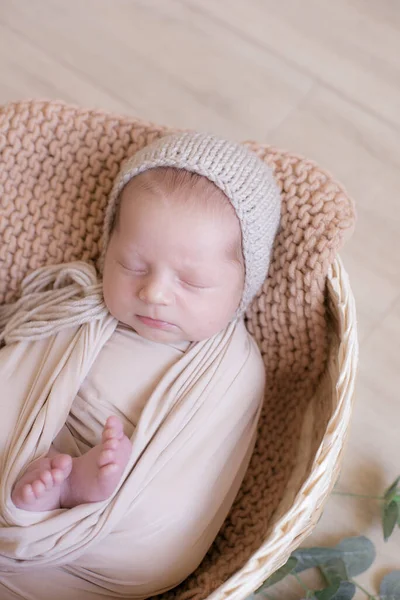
(295, 525)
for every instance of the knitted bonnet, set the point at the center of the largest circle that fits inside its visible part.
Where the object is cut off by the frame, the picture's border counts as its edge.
(246, 180)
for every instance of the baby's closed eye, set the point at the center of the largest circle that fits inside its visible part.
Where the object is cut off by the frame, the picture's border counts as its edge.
(194, 285)
(136, 269)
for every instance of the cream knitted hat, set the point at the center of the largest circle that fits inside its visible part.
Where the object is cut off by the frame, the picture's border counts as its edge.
(244, 178)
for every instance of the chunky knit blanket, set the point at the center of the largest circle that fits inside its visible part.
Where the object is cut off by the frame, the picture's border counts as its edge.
(57, 165)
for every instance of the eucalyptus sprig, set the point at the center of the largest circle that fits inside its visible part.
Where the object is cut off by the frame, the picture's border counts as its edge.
(390, 506)
(391, 509)
(340, 564)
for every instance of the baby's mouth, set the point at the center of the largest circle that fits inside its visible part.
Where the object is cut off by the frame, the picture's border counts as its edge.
(155, 323)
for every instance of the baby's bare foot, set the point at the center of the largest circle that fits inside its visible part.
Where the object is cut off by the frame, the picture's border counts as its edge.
(60, 481)
(96, 474)
(40, 486)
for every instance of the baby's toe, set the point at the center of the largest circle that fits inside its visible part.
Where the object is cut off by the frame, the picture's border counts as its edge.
(38, 488)
(58, 476)
(47, 479)
(61, 462)
(114, 422)
(113, 429)
(111, 444)
(27, 493)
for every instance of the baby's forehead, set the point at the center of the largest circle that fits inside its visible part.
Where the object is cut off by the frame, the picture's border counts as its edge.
(180, 196)
(150, 225)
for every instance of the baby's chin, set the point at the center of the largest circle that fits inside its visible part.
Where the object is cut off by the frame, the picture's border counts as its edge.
(170, 337)
(163, 337)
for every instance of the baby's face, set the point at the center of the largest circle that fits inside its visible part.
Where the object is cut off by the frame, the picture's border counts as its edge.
(170, 271)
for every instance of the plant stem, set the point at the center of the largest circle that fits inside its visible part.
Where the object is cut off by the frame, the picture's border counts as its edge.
(357, 496)
(301, 582)
(360, 587)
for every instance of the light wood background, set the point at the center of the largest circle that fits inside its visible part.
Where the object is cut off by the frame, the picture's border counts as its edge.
(320, 78)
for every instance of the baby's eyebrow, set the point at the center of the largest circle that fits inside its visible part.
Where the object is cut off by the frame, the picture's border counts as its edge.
(132, 250)
(191, 268)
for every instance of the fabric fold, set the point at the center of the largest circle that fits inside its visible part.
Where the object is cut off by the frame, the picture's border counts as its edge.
(190, 450)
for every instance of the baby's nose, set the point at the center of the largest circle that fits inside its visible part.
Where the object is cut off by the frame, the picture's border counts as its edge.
(155, 292)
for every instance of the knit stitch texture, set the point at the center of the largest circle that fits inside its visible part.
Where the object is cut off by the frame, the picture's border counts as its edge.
(57, 167)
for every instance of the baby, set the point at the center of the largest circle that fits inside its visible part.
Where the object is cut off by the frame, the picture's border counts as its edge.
(173, 272)
(136, 394)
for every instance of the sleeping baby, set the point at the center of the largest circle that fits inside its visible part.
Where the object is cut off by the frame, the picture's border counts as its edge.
(137, 397)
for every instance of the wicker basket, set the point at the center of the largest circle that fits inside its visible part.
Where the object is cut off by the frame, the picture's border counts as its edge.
(293, 525)
(57, 164)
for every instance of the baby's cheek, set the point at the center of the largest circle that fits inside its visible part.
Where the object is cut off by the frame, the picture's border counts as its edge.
(217, 314)
(112, 295)
(230, 297)
(108, 299)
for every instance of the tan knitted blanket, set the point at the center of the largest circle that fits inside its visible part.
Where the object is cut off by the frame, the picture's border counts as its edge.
(57, 164)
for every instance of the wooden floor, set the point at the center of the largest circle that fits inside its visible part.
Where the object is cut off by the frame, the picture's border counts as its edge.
(317, 77)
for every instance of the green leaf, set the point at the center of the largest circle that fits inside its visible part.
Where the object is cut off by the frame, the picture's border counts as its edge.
(390, 515)
(334, 571)
(336, 576)
(344, 591)
(327, 593)
(390, 586)
(391, 491)
(357, 553)
(279, 574)
(308, 558)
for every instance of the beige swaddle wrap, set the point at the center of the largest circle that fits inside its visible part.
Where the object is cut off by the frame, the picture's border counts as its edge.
(196, 430)
(190, 450)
